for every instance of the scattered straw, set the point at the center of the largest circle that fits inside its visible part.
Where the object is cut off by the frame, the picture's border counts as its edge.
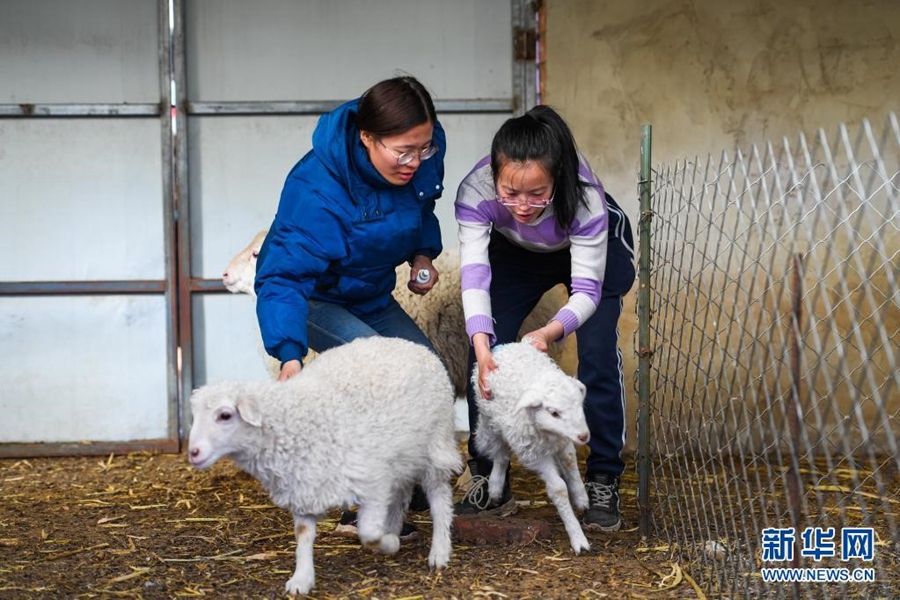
(74, 552)
(136, 572)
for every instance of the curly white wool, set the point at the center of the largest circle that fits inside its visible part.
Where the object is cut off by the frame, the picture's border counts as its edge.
(439, 314)
(537, 412)
(324, 440)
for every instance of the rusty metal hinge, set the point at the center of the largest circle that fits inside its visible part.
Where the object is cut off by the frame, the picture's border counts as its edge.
(524, 44)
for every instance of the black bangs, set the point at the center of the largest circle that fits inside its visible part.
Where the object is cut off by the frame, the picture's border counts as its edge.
(525, 139)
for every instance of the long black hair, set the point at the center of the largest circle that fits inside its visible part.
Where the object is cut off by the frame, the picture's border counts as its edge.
(393, 106)
(542, 136)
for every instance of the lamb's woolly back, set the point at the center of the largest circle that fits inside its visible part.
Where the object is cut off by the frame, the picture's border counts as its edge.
(520, 366)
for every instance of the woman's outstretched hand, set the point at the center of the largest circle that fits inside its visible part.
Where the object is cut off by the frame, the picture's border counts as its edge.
(289, 369)
(543, 337)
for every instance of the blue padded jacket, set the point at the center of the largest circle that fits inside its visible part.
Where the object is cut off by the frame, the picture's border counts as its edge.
(340, 231)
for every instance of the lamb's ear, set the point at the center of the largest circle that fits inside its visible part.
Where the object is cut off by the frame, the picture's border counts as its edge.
(248, 411)
(532, 398)
(581, 387)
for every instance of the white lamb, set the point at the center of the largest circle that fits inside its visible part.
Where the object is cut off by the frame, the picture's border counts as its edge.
(359, 426)
(536, 411)
(439, 314)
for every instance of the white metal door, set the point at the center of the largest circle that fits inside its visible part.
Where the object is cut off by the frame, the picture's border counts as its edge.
(86, 334)
(104, 329)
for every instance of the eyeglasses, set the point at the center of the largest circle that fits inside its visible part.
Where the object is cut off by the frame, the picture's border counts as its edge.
(407, 157)
(532, 201)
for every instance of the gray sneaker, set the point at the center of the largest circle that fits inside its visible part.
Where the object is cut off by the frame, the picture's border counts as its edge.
(603, 495)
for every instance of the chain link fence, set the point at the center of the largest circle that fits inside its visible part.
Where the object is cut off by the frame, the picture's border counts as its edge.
(771, 403)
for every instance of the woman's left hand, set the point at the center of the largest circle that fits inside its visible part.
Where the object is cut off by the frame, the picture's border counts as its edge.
(422, 263)
(541, 338)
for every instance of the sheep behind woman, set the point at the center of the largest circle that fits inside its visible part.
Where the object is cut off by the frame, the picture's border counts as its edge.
(537, 412)
(360, 425)
(439, 314)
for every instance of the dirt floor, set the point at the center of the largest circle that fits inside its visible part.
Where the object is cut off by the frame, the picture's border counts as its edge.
(150, 526)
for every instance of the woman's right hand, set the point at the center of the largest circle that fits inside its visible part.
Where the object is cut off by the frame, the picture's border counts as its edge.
(289, 369)
(486, 364)
(422, 263)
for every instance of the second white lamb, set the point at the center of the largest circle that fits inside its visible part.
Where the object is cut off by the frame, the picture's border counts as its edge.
(537, 412)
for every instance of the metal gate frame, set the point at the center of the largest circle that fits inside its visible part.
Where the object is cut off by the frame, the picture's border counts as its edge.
(180, 285)
(161, 111)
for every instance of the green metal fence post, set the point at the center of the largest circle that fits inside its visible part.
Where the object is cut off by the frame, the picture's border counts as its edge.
(644, 351)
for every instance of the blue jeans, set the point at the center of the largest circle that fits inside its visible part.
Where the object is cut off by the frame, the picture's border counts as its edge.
(331, 325)
(519, 278)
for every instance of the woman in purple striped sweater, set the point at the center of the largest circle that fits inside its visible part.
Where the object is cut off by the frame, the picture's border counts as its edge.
(533, 215)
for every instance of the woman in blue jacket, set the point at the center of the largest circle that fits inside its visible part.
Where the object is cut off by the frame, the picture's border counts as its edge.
(357, 205)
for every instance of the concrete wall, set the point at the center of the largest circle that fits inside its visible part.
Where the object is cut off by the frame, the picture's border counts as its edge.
(712, 76)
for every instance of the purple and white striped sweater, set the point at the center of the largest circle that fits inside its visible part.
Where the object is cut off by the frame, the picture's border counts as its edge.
(478, 211)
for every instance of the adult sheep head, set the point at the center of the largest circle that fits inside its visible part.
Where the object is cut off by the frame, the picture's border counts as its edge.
(241, 271)
(224, 416)
(555, 402)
